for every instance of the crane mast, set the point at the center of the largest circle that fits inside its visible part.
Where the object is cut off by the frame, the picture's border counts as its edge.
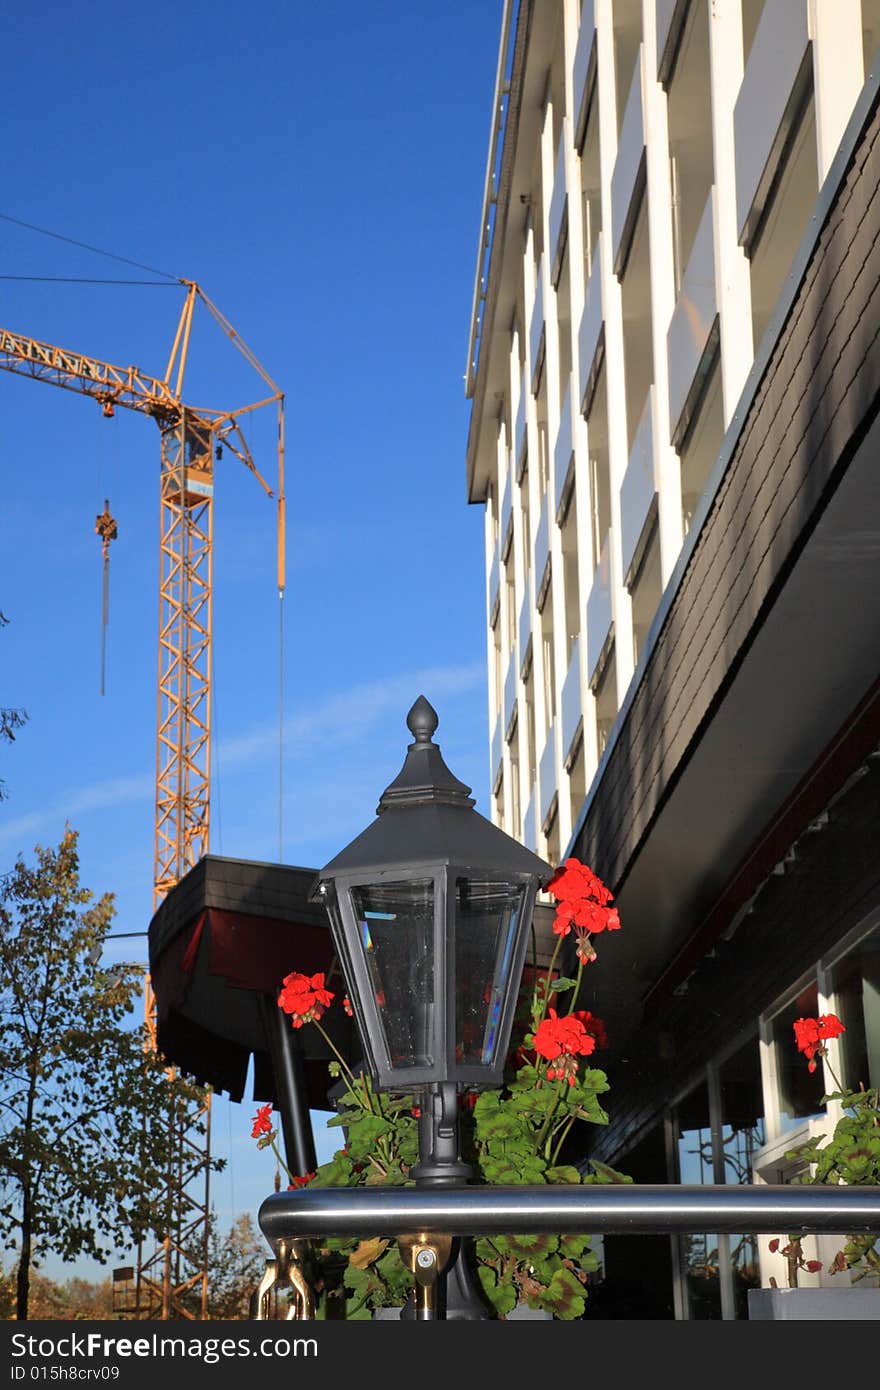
(191, 440)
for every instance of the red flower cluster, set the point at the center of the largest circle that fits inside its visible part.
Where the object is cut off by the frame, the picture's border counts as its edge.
(562, 1041)
(583, 904)
(262, 1122)
(346, 1004)
(304, 998)
(811, 1034)
(592, 1025)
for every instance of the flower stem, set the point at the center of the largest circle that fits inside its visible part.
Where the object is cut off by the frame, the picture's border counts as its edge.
(565, 1131)
(281, 1160)
(546, 1002)
(336, 1053)
(545, 1127)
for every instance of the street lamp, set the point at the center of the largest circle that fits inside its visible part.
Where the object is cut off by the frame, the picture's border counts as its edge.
(430, 909)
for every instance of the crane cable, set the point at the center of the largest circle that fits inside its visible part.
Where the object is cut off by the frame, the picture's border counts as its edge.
(106, 528)
(280, 726)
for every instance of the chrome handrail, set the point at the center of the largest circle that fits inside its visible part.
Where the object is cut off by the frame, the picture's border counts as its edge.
(630, 1208)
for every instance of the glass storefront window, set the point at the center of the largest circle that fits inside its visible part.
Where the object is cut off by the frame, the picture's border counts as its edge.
(742, 1135)
(856, 983)
(699, 1253)
(800, 1091)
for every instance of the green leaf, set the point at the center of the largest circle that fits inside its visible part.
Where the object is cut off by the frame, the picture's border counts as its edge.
(564, 1296)
(533, 1245)
(561, 984)
(501, 1294)
(564, 1172)
(365, 1130)
(604, 1173)
(498, 1126)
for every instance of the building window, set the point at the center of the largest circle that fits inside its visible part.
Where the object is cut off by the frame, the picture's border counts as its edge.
(799, 1091)
(515, 821)
(563, 316)
(856, 985)
(606, 702)
(627, 37)
(543, 449)
(497, 677)
(600, 479)
(784, 221)
(569, 541)
(510, 604)
(591, 192)
(743, 1133)
(701, 446)
(577, 782)
(638, 350)
(525, 525)
(695, 1164)
(646, 590)
(548, 664)
(553, 846)
(689, 108)
(531, 740)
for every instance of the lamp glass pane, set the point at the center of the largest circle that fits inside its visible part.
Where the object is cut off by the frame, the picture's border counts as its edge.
(396, 926)
(488, 915)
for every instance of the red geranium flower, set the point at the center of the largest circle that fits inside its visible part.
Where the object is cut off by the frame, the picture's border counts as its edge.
(593, 1025)
(583, 905)
(811, 1034)
(304, 998)
(300, 1181)
(562, 1041)
(262, 1122)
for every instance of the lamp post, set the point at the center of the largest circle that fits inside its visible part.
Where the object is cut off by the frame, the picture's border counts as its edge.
(430, 909)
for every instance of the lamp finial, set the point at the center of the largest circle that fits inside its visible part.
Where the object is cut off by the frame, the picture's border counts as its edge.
(422, 720)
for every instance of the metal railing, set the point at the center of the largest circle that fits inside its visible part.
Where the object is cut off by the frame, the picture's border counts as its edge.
(621, 1209)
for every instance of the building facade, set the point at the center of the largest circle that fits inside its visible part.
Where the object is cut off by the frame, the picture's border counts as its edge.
(674, 378)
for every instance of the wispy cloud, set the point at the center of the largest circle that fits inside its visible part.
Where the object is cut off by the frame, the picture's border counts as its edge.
(346, 716)
(350, 713)
(99, 796)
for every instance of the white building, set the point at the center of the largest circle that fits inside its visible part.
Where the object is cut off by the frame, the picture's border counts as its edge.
(674, 380)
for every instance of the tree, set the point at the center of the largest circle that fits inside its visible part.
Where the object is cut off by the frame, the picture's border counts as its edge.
(85, 1105)
(236, 1262)
(10, 720)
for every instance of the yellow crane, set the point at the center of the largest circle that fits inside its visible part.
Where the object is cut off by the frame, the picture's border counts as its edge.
(191, 440)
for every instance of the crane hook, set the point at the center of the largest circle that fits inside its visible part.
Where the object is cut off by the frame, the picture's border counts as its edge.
(106, 528)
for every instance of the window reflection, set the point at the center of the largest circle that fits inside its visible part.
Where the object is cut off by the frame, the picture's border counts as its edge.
(742, 1135)
(857, 994)
(699, 1253)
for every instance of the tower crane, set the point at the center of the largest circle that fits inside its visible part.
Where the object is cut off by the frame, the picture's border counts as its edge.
(191, 440)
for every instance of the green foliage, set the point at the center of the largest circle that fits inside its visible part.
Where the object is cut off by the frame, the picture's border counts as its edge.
(851, 1156)
(513, 1136)
(86, 1110)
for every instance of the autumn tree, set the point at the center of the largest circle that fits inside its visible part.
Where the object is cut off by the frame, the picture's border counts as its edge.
(84, 1104)
(10, 720)
(236, 1262)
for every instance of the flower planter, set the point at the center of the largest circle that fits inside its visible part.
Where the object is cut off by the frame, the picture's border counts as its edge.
(814, 1305)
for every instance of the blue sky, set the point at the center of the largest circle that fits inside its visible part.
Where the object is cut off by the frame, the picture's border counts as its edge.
(319, 169)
